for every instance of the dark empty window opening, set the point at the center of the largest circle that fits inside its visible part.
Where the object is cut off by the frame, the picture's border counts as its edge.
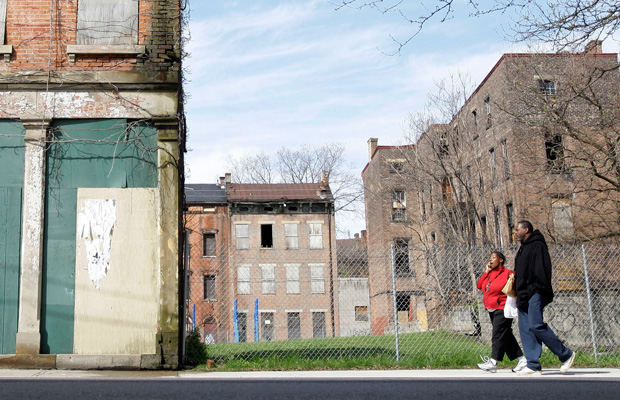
(293, 208)
(268, 209)
(546, 87)
(402, 301)
(554, 151)
(401, 256)
(396, 167)
(266, 236)
(244, 209)
(208, 245)
(318, 208)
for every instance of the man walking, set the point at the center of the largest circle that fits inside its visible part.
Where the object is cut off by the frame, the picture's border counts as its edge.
(534, 292)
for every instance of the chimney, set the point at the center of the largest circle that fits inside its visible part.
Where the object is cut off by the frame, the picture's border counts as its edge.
(364, 234)
(356, 236)
(594, 47)
(372, 146)
(325, 180)
(227, 178)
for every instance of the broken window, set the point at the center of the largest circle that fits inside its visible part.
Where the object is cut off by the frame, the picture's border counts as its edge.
(293, 325)
(107, 22)
(396, 167)
(268, 278)
(268, 329)
(209, 287)
(243, 279)
(266, 236)
(208, 245)
(361, 313)
(446, 192)
(2, 20)
(292, 278)
(492, 166)
(316, 235)
(443, 144)
(506, 159)
(317, 278)
(474, 115)
(546, 87)
(401, 256)
(554, 151)
(510, 218)
(403, 306)
(487, 106)
(290, 235)
(318, 325)
(399, 205)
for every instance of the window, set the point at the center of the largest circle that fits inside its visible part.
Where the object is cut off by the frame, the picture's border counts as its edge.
(487, 106)
(446, 192)
(510, 218)
(290, 235)
(443, 144)
(267, 325)
(242, 234)
(107, 22)
(554, 151)
(209, 287)
(399, 204)
(208, 245)
(243, 279)
(318, 325)
(396, 167)
(483, 227)
(2, 20)
(242, 325)
(562, 212)
(316, 236)
(293, 322)
(474, 117)
(506, 159)
(403, 304)
(546, 87)
(361, 313)
(292, 278)
(498, 228)
(266, 236)
(492, 167)
(422, 205)
(268, 278)
(317, 278)
(401, 256)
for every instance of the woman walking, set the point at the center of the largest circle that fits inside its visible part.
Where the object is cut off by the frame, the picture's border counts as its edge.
(503, 341)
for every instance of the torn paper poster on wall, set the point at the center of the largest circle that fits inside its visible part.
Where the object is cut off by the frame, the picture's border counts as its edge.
(95, 224)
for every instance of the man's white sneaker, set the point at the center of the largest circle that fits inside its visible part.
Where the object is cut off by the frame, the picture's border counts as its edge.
(521, 364)
(527, 371)
(489, 364)
(568, 363)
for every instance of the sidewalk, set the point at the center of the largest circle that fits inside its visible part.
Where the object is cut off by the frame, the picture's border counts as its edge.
(418, 374)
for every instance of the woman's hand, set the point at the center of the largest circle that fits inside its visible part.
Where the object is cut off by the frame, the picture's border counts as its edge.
(488, 268)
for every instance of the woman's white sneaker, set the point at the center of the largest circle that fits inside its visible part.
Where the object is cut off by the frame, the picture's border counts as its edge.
(521, 364)
(527, 371)
(489, 364)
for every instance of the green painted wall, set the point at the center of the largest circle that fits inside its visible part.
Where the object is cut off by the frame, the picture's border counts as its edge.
(84, 154)
(11, 184)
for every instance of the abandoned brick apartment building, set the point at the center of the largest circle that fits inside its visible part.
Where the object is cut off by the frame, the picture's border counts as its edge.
(91, 142)
(531, 142)
(263, 263)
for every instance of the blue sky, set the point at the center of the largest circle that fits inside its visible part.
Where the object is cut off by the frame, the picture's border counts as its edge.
(267, 74)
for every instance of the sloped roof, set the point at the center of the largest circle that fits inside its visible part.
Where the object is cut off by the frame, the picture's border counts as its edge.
(204, 193)
(278, 191)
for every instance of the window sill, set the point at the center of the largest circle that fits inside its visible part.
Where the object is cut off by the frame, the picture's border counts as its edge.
(7, 50)
(74, 49)
(209, 256)
(209, 300)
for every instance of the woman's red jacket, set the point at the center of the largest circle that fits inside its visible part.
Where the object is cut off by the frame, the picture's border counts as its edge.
(494, 299)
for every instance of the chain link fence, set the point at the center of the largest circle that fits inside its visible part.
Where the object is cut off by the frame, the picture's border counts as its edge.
(416, 306)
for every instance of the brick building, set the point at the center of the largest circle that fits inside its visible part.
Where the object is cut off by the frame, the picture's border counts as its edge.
(527, 144)
(91, 130)
(209, 284)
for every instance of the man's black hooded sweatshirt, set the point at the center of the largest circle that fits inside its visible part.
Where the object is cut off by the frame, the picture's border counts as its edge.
(533, 270)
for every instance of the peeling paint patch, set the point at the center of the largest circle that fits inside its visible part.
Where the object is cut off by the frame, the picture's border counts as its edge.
(95, 224)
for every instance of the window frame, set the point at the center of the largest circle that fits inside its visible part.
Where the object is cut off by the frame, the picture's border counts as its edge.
(242, 242)
(244, 281)
(268, 278)
(317, 280)
(292, 278)
(290, 243)
(315, 245)
(206, 248)
(205, 291)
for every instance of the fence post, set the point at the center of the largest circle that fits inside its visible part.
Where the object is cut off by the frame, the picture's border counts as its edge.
(394, 301)
(585, 270)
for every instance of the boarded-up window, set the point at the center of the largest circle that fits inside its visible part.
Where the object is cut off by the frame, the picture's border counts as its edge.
(107, 22)
(290, 233)
(318, 324)
(2, 20)
(242, 234)
(361, 313)
(292, 278)
(268, 277)
(243, 279)
(317, 278)
(267, 327)
(316, 236)
(562, 217)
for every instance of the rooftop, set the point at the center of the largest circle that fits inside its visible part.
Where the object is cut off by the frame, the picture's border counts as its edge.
(279, 191)
(204, 193)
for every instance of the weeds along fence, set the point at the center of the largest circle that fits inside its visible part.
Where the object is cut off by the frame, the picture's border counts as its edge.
(400, 303)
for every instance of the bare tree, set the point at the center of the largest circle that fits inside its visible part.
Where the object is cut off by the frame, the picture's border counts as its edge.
(562, 23)
(304, 165)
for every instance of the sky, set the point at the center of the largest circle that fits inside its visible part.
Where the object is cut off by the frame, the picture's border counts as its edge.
(267, 74)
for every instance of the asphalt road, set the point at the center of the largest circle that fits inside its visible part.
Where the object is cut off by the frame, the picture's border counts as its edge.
(420, 385)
